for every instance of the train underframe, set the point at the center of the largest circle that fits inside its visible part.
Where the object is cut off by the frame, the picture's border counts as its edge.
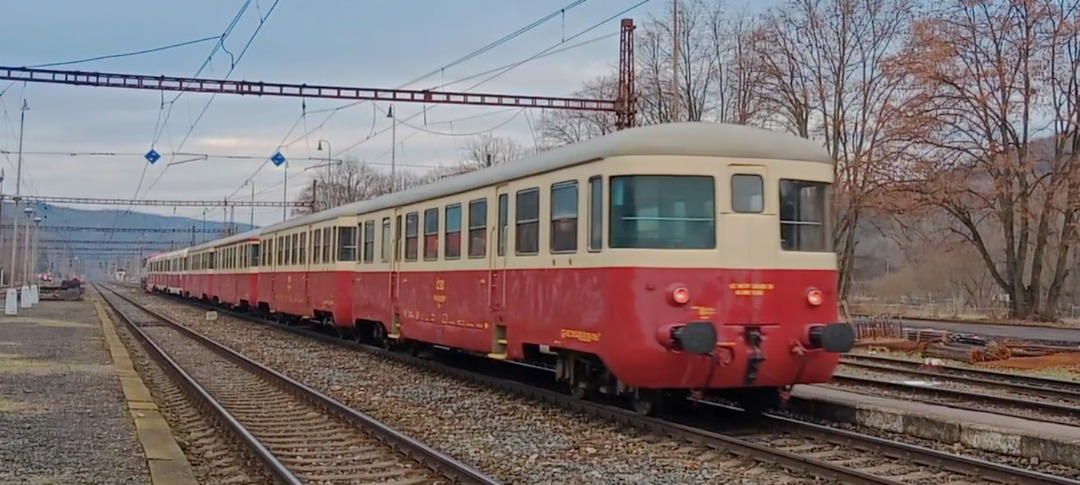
(585, 375)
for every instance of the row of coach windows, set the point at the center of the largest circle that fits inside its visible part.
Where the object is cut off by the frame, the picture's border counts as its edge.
(464, 229)
(238, 257)
(327, 245)
(645, 212)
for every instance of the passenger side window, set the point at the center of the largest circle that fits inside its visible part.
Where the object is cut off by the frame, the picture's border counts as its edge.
(346, 243)
(453, 231)
(596, 213)
(386, 240)
(411, 231)
(564, 217)
(303, 248)
(369, 242)
(527, 218)
(327, 238)
(504, 216)
(316, 245)
(478, 228)
(431, 234)
(747, 193)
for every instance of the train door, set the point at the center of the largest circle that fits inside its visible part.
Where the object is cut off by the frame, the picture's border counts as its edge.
(497, 281)
(394, 280)
(747, 226)
(497, 253)
(307, 251)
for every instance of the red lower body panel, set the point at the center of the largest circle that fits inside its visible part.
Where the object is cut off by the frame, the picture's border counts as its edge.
(617, 314)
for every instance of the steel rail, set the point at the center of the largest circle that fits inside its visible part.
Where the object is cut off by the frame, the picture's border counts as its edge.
(446, 465)
(1042, 384)
(1071, 412)
(1011, 386)
(697, 435)
(273, 466)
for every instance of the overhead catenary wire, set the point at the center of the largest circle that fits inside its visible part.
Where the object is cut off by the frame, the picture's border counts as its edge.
(460, 60)
(506, 70)
(220, 45)
(128, 54)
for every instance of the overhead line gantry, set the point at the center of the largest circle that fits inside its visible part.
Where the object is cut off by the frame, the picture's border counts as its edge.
(622, 106)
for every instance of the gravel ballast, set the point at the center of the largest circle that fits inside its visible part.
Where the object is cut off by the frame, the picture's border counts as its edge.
(512, 439)
(63, 416)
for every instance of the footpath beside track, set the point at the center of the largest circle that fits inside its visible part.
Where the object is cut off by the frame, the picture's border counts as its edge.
(298, 434)
(805, 448)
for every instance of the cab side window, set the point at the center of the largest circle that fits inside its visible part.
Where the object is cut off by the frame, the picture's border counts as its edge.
(747, 193)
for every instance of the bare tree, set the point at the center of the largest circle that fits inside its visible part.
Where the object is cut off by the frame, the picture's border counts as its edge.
(696, 67)
(349, 181)
(828, 70)
(739, 79)
(988, 72)
(487, 150)
(564, 127)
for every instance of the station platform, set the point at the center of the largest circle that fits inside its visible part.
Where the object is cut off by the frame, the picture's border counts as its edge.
(73, 409)
(1011, 436)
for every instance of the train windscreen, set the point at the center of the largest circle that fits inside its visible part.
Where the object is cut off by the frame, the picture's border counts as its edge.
(663, 212)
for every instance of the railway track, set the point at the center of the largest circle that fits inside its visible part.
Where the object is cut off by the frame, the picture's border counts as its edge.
(298, 434)
(833, 454)
(1040, 399)
(1069, 389)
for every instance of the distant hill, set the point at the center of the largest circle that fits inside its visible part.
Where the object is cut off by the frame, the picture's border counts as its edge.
(98, 250)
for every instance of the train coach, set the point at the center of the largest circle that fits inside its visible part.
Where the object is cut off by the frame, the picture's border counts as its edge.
(648, 263)
(165, 272)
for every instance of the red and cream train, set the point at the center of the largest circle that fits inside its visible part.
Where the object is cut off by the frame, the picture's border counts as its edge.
(653, 261)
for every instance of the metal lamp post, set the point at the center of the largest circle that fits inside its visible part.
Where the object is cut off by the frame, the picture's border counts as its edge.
(393, 149)
(18, 192)
(329, 170)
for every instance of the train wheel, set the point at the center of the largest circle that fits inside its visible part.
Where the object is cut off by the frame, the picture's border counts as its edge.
(378, 336)
(648, 402)
(759, 400)
(581, 392)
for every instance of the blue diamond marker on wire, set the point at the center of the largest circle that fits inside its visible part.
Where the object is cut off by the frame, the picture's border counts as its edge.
(152, 156)
(278, 159)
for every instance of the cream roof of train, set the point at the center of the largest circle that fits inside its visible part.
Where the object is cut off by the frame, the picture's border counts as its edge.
(675, 139)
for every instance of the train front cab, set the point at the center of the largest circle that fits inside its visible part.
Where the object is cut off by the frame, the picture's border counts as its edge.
(721, 279)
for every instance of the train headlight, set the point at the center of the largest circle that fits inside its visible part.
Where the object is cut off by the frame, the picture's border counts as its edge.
(815, 297)
(680, 295)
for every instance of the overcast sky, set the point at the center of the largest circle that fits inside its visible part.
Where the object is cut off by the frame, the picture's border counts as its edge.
(354, 43)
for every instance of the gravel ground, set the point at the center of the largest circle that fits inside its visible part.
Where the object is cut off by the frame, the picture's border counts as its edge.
(514, 440)
(63, 417)
(916, 392)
